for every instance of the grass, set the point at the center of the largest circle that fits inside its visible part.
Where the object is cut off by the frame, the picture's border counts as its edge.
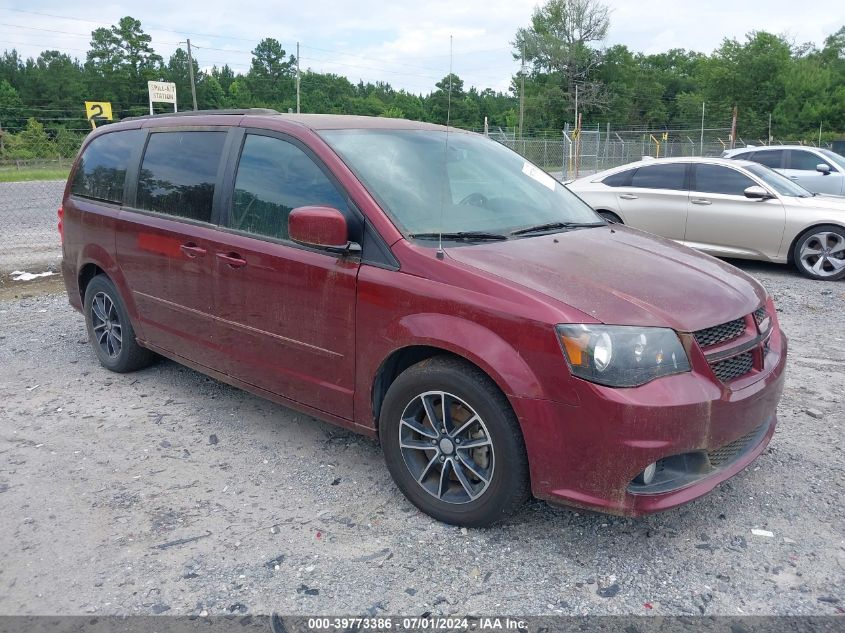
(34, 173)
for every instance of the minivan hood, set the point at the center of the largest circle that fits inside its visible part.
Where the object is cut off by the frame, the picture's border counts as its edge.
(622, 276)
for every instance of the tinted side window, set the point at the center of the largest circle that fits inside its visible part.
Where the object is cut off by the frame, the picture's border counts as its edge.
(273, 178)
(742, 156)
(178, 173)
(102, 166)
(769, 157)
(718, 179)
(661, 177)
(799, 159)
(622, 179)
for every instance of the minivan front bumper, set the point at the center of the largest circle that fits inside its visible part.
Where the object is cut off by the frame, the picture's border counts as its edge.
(698, 431)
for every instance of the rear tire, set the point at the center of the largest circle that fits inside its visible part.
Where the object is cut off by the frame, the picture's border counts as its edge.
(109, 329)
(819, 253)
(611, 217)
(472, 487)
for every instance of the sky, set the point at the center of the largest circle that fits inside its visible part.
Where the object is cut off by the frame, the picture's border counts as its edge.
(405, 43)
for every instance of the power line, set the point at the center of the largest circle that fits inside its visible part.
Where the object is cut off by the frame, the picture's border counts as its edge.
(153, 27)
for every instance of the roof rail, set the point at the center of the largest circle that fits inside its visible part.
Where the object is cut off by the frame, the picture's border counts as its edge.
(186, 113)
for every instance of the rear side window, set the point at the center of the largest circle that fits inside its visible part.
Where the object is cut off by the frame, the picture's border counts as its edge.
(622, 179)
(661, 177)
(742, 156)
(769, 157)
(274, 177)
(179, 172)
(807, 161)
(102, 168)
(718, 179)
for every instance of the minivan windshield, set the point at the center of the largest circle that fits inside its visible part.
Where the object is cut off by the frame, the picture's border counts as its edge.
(471, 187)
(783, 185)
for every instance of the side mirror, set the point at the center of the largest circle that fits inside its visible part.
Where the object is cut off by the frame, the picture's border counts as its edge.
(321, 227)
(822, 168)
(756, 192)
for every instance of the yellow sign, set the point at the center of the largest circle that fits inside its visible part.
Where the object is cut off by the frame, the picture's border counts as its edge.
(98, 110)
(665, 136)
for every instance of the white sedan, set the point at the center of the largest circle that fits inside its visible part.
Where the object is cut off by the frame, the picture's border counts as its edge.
(727, 208)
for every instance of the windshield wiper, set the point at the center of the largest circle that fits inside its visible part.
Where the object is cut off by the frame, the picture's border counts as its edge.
(462, 235)
(551, 226)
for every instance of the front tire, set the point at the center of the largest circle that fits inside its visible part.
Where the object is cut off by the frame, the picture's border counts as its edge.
(109, 329)
(453, 444)
(820, 253)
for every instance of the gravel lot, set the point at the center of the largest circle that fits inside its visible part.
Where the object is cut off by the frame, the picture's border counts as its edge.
(28, 235)
(167, 492)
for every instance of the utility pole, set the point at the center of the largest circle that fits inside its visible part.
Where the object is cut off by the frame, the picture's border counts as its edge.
(191, 71)
(820, 134)
(733, 128)
(702, 128)
(297, 77)
(770, 128)
(522, 93)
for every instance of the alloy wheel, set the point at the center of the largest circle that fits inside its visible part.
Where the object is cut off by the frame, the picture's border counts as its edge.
(823, 254)
(446, 447)
(106, 326)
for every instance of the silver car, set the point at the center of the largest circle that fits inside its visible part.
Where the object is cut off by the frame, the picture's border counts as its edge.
(817, 170)
(727, 208)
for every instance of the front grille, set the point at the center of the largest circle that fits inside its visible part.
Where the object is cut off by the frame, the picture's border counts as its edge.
(760, 315)
(733, 367)
(720, 333)
(728, 452)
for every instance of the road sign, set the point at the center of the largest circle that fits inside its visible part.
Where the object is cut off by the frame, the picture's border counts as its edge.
(162, 92)
(98, 110)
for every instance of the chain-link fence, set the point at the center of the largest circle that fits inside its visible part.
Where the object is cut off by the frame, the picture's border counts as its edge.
(571, 154)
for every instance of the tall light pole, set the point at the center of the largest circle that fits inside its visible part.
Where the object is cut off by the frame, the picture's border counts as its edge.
(297, 77)
(522, 92)
(191, 72)
(702, 128)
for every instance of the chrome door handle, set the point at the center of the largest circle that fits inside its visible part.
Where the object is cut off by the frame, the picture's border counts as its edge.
(627, 196)
(701, 202)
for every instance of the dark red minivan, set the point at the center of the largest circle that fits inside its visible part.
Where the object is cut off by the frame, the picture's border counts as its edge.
(431, 288)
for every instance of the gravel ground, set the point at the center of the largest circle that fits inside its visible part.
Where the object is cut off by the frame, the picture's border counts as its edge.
(165, 491)
(28, 235)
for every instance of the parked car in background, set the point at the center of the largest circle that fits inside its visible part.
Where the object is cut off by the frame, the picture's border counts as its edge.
(817, 170)
(728, 208)
(429, 288)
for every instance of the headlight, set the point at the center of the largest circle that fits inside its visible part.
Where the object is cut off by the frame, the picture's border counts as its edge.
(620, 355)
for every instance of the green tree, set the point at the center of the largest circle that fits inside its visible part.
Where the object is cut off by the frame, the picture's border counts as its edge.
(460, 110)
(11, 107)
(210, 94)
(749, 75)
(119, 64)
(559, 43)
(271, 77)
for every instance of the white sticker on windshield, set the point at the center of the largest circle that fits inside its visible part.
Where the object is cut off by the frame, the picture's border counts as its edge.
(539, 175)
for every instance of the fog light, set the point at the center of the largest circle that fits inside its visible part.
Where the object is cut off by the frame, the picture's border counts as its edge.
(647, 476)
